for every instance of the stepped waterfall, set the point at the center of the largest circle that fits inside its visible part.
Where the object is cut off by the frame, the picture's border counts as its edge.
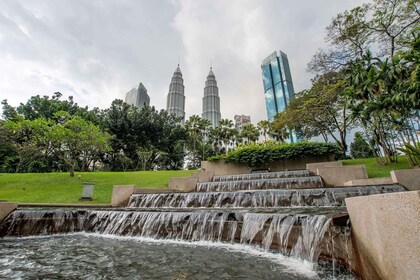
(290, 213)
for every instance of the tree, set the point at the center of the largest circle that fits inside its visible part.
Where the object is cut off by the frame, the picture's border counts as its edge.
(250, 132)
(227, 133)
(76, 140)
(264, 128)
(279, 129)
(146, 130)
(29, 143)
(205, 128)
(382, 25)
(320, 110)
(194, 127)
(359, 148)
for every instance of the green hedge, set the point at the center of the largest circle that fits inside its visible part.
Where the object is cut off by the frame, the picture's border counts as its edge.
(257, 155)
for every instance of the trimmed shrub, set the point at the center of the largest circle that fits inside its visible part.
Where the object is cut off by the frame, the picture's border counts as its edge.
(257, 155)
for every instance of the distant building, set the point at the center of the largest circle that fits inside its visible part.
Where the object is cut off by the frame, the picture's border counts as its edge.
(211, 100)
(240, 120)
(138, 97)
(278, 85)
(175, 103)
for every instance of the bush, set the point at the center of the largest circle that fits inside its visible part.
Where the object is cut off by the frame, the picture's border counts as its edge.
(359, 148)
(258, 155)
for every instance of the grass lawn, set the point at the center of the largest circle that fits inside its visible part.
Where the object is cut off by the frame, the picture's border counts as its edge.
(61, 188)
(376, 171)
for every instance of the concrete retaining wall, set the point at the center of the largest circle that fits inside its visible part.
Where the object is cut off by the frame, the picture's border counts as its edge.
(183, 184)
(369, 182)
(219, 167)
(312, 167)
(339, 175)
(386, 234)
(121, 195)
(203, 176)
(409, 178)
(6, 208)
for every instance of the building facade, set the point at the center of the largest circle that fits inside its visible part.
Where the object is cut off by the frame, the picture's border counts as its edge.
(138, 97)
(211, 100)
(241, 120)
(175, 103)
(278, 85)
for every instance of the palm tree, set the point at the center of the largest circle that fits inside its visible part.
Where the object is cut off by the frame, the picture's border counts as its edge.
(227, 132)
(264, 128)
(205, 126)
(193, 127)
(250, 132)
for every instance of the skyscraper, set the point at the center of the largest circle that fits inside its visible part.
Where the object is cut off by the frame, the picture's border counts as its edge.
(175, 103)
(241, 120)
(211, 100)
(278, 85)
(138, 97)
(277, 81)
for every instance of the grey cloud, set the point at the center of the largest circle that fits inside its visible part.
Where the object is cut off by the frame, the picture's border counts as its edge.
(98, 50)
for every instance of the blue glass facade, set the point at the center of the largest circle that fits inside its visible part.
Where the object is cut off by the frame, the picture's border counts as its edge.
(278, 85)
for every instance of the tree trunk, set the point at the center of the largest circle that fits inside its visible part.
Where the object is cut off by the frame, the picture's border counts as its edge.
(72, 169)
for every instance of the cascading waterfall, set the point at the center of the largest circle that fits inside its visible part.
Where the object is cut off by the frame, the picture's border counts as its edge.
(288, 212)
(257, 198)
(270, 231)
(261, 184)
(268, 175)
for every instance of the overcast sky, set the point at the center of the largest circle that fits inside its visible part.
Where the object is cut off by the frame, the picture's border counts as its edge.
(97, 50)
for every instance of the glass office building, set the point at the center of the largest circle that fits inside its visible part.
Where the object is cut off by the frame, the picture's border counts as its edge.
(278, 85)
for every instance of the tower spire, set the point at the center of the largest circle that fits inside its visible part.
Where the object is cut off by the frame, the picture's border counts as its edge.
(175, 103)
(211, 100)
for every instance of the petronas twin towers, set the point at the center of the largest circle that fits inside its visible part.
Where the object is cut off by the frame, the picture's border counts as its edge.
(211, 102)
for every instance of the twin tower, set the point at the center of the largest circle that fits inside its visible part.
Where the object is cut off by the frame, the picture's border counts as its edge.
(211, 102)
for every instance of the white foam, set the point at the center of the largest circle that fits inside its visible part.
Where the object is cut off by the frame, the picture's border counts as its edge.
(293, 265)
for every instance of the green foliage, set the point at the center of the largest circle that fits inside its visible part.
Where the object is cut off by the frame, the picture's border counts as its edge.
(412, 153)
(258, 155)
(146, 130)
(359, 148)
(250, 132)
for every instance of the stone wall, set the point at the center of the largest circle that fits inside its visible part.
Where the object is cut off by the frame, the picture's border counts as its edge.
(386, 235)
(409, 178)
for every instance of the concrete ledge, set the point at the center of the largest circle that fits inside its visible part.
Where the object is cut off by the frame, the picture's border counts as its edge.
(312, 167)
(203, 176)
(64, 205)
(183, 184)
(6, 208)
(369, 182)
(409, 178)
(338, 175)
(139, 191)
(386, 235)
(121, 195)
(219, 167)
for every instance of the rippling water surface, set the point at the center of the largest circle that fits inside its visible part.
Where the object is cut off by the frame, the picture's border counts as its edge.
(92, 256)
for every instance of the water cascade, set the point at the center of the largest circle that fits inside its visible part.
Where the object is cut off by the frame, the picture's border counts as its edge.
(262, 184)
(291, 213)
(257, 198)
(267, 175)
